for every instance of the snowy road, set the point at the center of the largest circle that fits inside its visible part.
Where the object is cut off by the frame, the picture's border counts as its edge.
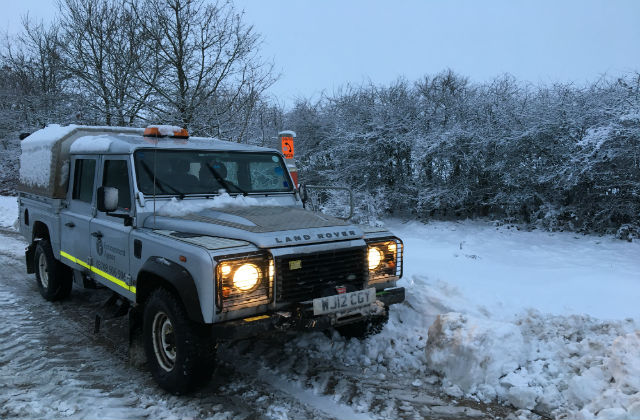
(53, 366)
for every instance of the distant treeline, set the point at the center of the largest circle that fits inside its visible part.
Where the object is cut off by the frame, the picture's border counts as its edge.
(560, 156)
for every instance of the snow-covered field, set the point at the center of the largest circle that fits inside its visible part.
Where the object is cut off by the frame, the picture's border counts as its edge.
(546, 322)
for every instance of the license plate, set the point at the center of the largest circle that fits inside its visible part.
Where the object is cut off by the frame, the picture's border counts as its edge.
(344, 301)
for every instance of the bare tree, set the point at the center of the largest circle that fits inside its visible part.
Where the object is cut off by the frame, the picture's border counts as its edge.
(34, 77)
(105, 52)
(207, 55)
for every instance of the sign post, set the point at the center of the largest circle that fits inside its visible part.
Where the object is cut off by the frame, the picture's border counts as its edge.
(286, 140)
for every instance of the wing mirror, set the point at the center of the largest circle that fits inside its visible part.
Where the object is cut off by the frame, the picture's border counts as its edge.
(107, 199)
(323, 194)
(304, 194)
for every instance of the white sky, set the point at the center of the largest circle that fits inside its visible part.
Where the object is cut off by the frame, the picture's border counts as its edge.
(320, 45)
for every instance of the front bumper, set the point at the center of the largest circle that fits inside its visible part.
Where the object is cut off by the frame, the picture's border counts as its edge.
(301, 318)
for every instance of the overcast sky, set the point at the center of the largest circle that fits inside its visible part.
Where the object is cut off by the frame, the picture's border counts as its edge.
(320, 45)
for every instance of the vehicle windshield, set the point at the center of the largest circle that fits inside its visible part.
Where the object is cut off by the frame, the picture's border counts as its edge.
(180, 172)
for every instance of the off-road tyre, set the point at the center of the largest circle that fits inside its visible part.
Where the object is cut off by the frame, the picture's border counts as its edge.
(364, 329)
(180, 353)
(54, 278)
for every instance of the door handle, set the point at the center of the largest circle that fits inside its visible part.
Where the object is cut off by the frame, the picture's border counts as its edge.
(70, 224)
(97, 234)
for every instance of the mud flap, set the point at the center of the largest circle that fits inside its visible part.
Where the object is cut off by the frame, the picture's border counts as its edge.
(136, 355)
(29, 252)
(120, 324)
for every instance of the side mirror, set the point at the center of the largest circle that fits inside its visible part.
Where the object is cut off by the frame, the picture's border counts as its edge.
(304, 194)
(107, 199)
(323, 197)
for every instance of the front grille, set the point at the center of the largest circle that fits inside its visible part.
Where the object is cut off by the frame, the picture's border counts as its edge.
(319, 274)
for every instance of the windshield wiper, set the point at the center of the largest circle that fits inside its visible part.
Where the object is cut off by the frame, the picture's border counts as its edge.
(157, 181)
(225, 183)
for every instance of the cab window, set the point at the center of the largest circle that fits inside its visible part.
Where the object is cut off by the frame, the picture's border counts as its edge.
(116, 174)
(85, 172)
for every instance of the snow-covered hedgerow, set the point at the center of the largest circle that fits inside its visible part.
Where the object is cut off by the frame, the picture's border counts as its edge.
(560, 365)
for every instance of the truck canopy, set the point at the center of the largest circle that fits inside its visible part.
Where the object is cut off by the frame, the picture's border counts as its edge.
(44, 162)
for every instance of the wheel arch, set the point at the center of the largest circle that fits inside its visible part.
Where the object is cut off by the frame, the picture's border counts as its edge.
(40, 231)
(159, 272)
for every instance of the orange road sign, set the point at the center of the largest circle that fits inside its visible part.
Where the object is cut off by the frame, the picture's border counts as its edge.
(287, 147)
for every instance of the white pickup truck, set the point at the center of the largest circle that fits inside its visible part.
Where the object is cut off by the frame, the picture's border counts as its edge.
(202, 240)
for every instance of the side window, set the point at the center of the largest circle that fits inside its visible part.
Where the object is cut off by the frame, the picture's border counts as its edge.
(116, 174)
(85, 172)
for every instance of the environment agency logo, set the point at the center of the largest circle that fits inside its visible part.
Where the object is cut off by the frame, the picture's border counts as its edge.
(99, 247)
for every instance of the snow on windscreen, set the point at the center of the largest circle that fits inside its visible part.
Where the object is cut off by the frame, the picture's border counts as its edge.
(91, 144)
(35, 160)
(183, 207)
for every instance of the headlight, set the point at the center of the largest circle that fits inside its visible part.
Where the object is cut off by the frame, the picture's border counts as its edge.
(385, 260)
(244, 280)
(246, 277)
(374, 257)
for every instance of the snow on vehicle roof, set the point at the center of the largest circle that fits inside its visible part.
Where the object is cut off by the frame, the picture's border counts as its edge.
(36, 157)
(91, 144)
(124, 140)
(166, 130)
(45, 154)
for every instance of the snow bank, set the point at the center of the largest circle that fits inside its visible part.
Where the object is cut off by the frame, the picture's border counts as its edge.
(8, 212)
(457, 348)
(540, 320)
(177, 207)
(576, 366)
(36, 157)
(502, 314)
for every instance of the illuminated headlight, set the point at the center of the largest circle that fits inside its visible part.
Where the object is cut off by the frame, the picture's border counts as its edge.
(375, 256)
(246, 277)
(385, 260)
(244, 281)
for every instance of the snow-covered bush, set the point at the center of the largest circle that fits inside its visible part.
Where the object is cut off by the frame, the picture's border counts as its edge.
(559, 157)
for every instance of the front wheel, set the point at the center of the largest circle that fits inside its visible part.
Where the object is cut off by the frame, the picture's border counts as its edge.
(54, 278)
(180, 353)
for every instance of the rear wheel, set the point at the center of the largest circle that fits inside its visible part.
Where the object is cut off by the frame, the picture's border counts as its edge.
(54, 278)
(365, 328)
(180, 353)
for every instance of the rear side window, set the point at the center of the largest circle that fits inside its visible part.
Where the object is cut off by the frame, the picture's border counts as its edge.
(85, 173)
(116, 174)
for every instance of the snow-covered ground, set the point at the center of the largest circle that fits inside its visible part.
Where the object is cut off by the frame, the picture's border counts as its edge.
(544, 321)
(8, 211)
